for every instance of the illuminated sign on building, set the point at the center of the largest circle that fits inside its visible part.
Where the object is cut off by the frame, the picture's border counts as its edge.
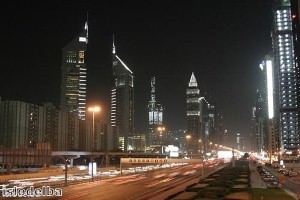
(158, 160)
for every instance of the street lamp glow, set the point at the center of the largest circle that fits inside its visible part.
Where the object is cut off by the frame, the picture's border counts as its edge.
(93, 110)
(188, 136)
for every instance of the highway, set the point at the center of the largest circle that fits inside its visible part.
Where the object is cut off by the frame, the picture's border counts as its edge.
(156, 184)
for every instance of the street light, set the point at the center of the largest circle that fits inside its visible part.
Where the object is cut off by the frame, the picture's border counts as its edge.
(93, 110)
(200, 145)
(201, 153)
(187, 143)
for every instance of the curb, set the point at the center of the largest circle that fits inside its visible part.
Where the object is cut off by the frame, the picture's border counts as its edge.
(292, 194)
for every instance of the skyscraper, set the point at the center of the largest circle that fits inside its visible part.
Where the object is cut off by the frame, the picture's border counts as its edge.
(286, 49)
(155, 117)
(122, 104)
(254, 133)
(73, 75)
(193, 115)
(240, 141)
(266, 110)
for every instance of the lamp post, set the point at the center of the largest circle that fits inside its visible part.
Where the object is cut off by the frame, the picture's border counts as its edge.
(201, 153)
(200, 146)
(93, 110)
(210, 146)
(187, 143)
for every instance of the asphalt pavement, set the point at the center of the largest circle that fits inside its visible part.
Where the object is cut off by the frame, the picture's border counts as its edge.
(289, 186)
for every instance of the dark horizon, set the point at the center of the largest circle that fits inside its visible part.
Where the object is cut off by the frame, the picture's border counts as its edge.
(221, 42)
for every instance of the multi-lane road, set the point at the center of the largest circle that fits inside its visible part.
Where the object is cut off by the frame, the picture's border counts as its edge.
(156, 184)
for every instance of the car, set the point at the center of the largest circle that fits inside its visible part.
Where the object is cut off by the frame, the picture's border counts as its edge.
(273, 185)
(286, 172)
(293, 173)
(280, 169)
(259, 167)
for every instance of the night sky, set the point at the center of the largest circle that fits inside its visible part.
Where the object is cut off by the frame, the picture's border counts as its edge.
(222, 42)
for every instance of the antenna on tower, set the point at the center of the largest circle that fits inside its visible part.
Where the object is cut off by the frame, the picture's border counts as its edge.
(86, 26)
(113, 45)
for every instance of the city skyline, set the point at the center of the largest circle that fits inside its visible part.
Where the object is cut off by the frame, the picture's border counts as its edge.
(224, 51)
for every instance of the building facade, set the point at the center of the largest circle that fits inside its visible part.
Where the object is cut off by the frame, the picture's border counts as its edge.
(155, 118)
(74, 75)
(286, 49)
(122, 105)
(240, 142)
(193, 112)
(25, 125)
(222, 131)
(266, 136)
(99, 138)
(254, 133)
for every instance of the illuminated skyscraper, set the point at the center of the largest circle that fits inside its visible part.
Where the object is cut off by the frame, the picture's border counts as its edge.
(73, 75)
(122, 105)
(267, 122)
(155, 117)
(193, 102)
(286, 51)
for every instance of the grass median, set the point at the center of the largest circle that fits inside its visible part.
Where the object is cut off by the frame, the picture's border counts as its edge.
(269, 194)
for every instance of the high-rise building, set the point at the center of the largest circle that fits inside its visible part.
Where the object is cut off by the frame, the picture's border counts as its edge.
(73, 75)
(99, 138)
(222, 132)
(285, 34)
(25, 125)
(212, 122)
(254, 132)
(122, 104)
(240, 141)
(268, 121)
(193, 133)
(21, 124)
(155, 118)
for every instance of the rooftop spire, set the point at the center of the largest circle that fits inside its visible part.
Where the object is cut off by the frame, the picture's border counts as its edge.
(113, 45)
(193, 81)
(86, 27)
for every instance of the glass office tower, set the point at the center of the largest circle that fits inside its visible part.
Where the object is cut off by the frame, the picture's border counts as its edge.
(73, 75)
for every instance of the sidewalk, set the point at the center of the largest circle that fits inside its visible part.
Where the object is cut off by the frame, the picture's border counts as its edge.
(256, 181)
(295, 196)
